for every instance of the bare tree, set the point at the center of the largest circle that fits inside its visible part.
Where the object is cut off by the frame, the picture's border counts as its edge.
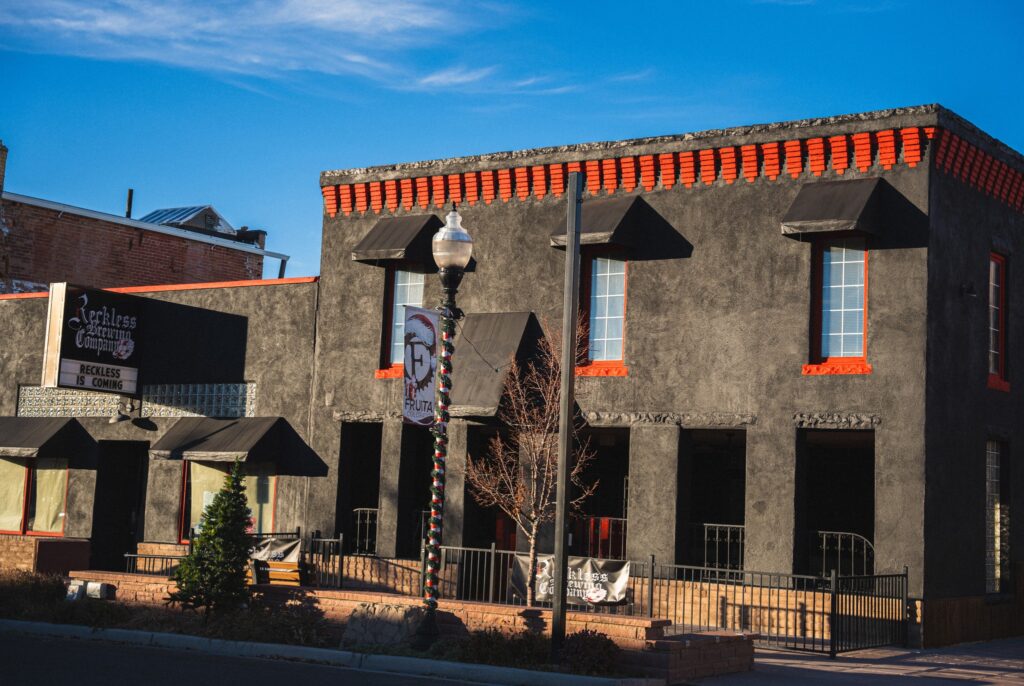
(519, 471)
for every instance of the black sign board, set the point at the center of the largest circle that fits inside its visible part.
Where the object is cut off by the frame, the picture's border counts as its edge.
(91, 340)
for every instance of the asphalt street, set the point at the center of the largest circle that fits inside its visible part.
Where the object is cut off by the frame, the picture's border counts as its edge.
(39, 661)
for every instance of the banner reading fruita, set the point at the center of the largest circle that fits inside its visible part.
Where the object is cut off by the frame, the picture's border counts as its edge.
(422, 337)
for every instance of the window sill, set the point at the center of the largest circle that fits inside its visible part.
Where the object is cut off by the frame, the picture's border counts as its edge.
(999, 598)
(603, 369)
(997, 383)
(395, 371)
(836, 367)
(45, 534)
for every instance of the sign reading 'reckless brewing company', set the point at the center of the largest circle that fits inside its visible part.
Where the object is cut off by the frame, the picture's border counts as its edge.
(91, 340)
(589, 581)
(422, 337)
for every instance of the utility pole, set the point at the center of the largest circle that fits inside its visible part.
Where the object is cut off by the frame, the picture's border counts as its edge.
(567, 405)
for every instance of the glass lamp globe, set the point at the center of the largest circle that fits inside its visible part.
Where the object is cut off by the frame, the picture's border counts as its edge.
(451, 245)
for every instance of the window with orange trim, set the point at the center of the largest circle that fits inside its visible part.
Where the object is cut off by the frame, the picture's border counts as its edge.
(203, 480)
(839, 320)
(604, 306)
(403, 288)
(33, 496)
(997, 377)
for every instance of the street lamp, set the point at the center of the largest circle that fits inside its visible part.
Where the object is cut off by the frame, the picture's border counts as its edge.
(452, 248)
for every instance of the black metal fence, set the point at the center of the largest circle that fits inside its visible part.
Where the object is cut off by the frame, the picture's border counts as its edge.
(365, 542)
(848, 553)
(828, 614)
(723, 546)
(156, 565)
(601, 537)
(323, 561)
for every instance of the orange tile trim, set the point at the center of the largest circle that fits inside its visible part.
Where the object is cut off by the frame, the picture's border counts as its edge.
(180, 287)
(795, 158)
(831, 368)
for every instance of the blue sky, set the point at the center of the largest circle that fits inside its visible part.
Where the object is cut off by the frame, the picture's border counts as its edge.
(242, 104)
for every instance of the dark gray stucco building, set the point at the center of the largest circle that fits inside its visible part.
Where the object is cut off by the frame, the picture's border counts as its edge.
(802, 335)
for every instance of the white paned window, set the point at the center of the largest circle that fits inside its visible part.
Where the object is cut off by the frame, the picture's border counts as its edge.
(842, 299)
(997, 522)
(408, 291)
(996, 281)
(607, 308)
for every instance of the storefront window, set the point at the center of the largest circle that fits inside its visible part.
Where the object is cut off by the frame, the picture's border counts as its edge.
(43, 510)
(205, 479)
(46, 496)
(12, 493)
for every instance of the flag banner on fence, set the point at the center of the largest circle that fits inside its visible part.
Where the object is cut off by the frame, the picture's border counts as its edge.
(590, 581)
(422, 339)
(276, 550)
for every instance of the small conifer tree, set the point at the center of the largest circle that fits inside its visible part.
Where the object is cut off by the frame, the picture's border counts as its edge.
(212, 575)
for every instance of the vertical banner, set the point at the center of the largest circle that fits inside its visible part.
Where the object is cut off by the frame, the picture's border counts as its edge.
(422, 336)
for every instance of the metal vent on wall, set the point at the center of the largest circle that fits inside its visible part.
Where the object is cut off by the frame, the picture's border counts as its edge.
(163, 400)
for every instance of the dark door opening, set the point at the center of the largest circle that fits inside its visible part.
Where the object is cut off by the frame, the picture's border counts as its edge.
(414, 480)
(121, 474)
(600, 530)
(835, 502)
(355, 515)
(712, 488)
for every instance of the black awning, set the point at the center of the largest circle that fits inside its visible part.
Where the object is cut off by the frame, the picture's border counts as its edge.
(854, 205)
(483, 350)
(43, 437)
(399, 238)
(608, 221)
(249, 439)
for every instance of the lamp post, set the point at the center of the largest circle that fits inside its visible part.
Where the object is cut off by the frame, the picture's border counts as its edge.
(452, 248)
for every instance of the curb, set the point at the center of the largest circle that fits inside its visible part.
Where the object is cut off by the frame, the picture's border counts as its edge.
(412, 666)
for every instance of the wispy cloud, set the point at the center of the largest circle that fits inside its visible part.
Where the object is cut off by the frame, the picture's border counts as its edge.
(248, 42)
(261, 38)
(454, 76)
(641, 75)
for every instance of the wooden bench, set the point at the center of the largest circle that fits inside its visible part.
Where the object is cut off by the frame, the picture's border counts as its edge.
(274, 573)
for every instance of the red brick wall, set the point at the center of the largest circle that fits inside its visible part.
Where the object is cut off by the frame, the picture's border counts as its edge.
(47, 246)
(18, 552)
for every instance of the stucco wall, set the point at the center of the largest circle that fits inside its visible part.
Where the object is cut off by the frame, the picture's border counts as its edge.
(967, 225)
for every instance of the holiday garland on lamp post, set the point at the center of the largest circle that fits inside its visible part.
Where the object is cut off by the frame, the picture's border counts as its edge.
(440, 432)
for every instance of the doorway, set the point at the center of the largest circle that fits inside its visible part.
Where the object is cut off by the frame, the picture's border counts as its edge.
(121, 473)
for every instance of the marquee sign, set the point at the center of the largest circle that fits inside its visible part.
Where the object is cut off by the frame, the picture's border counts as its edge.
(91, 338)
(422, 336)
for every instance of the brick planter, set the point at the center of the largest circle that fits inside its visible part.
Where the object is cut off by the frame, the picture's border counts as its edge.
(646, 649)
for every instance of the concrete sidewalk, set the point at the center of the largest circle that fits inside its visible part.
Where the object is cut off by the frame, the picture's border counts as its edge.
(992, 662)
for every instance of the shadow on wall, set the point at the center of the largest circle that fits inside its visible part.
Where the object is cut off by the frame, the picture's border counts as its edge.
(182, 344)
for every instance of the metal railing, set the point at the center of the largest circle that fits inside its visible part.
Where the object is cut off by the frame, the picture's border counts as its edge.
(155, 565)
(723, 546)
(869, 611)
(848, 553)
(365, 542)
(323, 561)
(829, 614)
(602, 537)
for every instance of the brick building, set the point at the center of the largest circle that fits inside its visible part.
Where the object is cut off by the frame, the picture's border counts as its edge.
(45, 242)
(820, 343)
